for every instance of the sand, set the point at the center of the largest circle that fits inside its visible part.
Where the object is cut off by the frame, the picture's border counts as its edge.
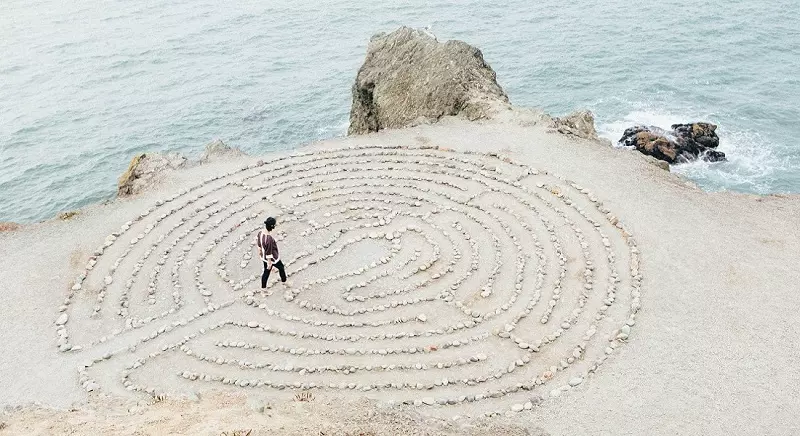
(234, 415)
(683, 322)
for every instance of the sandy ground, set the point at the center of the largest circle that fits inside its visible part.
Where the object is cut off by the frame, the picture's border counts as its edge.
(231, 415)
(711, 350)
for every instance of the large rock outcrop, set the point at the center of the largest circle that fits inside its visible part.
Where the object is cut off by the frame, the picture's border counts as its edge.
(408, 78)
(146, 169)
(685, 142)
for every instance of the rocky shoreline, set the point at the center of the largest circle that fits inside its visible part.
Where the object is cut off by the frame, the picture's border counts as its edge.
(408, 79)
(684, 143)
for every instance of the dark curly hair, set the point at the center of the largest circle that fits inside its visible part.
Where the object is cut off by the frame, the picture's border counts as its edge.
(270, 223)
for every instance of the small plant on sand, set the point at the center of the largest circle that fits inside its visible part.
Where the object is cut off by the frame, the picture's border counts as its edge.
(159, 398)
(304, 396)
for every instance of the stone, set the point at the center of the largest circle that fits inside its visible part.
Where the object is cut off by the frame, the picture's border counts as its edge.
(575, 381)
(408, 78)
(146, 169)
(684, 143)
(217, 149)
(62, 319)
(257, 405)
(579, 124)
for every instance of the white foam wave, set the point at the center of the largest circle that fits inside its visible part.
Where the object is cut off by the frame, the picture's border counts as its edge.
(613, 130)
(752, 164)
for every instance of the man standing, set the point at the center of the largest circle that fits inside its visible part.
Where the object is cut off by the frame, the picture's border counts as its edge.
(268, 252)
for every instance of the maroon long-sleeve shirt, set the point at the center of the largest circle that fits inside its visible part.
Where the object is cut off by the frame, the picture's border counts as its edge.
(269, 247)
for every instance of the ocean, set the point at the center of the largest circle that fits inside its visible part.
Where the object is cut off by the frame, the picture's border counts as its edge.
(86, 85)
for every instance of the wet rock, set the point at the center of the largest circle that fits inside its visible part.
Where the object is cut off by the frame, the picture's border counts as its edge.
(685, 142)
(409, 78)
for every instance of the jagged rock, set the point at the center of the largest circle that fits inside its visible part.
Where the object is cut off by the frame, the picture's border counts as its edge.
(145, 169)
(218, 149)
(683, 143)
(68, 215)
(408, 78)
(579, 123)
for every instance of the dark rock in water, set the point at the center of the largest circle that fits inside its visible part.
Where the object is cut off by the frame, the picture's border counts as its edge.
(410, 78)
(685, 142)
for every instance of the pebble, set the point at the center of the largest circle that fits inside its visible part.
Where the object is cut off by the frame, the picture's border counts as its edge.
(575, 381)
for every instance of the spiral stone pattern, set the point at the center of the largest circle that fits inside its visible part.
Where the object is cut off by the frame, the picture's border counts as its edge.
(458, 282)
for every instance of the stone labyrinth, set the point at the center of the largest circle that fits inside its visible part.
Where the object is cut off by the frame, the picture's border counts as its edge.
(462, 283)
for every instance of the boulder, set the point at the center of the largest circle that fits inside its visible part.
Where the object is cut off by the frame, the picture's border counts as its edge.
(217, 149)
(579, 124)
(146, 169)
(685, 142)
(409, 78)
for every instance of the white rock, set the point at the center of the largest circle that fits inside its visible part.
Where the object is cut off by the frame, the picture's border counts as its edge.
(421, 317)
(575, 381)
(62, 319)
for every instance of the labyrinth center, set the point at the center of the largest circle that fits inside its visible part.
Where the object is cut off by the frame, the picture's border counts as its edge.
(461, 282)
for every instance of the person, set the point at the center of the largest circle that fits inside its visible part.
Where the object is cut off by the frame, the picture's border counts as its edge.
(268, 252)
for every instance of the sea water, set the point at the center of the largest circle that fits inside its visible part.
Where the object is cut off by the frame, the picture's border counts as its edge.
(86, 85)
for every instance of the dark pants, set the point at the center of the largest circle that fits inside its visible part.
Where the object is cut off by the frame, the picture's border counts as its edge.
(265, 276)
